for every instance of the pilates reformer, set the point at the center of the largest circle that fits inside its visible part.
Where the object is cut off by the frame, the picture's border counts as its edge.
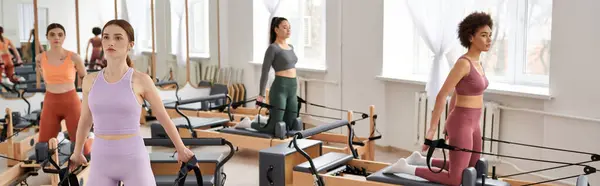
(215, 107)
(191, 123)
(12, 147)
(208, 166)
(251, 139)
(312, 166)
(581, 179)
(51, 158)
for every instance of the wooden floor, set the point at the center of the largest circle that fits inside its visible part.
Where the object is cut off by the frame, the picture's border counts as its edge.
(244, 164)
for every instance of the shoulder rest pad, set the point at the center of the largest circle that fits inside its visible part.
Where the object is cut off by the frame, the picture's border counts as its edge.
(325, 162)
(167, 157)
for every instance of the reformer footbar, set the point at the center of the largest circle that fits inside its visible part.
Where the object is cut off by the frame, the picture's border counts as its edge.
(441, 143)
(195, 100)
(302, 134)
(186, 167)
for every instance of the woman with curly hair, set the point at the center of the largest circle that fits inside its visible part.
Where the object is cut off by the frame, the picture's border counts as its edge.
(468, 80)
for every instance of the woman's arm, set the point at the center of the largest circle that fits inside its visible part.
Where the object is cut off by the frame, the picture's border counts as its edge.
(460, 69)
(14, 49)
(150, 94)
(85, 119)
(87, 48)
(79, 65)
(266, 66)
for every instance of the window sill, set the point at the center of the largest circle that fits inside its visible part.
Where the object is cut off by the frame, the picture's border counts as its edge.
(199, 56)
(542, 93)
(302, 68)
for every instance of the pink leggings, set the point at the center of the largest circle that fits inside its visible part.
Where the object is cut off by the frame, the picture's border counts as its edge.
(464, 131)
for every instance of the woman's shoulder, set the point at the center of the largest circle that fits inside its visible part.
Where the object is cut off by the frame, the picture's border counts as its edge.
(141, 78)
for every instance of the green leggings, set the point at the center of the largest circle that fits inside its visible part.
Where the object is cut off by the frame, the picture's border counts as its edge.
(281, 95)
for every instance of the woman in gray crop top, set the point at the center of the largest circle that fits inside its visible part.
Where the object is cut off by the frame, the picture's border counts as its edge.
(282, 94)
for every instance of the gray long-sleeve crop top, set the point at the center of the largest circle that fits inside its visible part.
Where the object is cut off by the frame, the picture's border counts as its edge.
(280, 59)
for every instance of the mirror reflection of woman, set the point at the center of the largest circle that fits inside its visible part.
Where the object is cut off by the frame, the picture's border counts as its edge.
(31, 45)
(96, 59)
(6, 58)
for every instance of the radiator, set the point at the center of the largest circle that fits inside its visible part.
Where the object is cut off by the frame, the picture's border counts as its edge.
(490, 123)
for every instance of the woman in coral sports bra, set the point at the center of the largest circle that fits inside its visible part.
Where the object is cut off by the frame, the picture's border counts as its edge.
(58, 68)
(6, 63)
(468, 80)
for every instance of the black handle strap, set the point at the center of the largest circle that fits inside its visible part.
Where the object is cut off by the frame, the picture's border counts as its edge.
(185, 168)
(439, 143)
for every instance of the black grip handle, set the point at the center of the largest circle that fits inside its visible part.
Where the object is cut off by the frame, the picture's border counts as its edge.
(163, 83)
(201, 99)
(270, 175)
(322, 128)
(358, 143)
(186, 142)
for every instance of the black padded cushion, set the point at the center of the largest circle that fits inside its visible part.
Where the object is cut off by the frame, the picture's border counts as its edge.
(157, 131)
(198, 122)
(204, 157)
(325, 162)
(22, 124)
(190, 180)
(246, 132)
(399, 178)
(63, 156)
(191, 106)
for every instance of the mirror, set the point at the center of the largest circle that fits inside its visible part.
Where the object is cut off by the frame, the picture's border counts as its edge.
(170, 41)
(92, 16)
(139, 13)
(17, 51)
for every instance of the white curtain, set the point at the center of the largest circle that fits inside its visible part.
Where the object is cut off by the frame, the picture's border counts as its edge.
(178, 10)
(273, 7)
(436, 22)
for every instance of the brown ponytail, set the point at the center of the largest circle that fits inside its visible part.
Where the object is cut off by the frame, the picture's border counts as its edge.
(129, 63)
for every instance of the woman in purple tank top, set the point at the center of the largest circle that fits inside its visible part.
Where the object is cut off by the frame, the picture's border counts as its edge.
(468, 81)
(111, 101)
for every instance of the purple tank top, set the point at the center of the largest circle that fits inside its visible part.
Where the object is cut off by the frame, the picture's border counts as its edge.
(473, 84)
(114, 106)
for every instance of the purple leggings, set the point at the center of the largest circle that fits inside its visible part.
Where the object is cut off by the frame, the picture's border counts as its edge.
(125, 160)
(464, 131)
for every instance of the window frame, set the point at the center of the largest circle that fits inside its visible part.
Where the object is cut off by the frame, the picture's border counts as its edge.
(206, 27)
(260, 43)
(517, 46)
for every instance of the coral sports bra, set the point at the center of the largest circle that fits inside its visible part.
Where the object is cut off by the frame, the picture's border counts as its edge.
(58, 74)
(472, 84)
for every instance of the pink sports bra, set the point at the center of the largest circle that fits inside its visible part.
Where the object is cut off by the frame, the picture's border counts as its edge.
(472, 84)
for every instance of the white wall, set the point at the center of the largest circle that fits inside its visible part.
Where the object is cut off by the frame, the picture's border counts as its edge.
(354, 59)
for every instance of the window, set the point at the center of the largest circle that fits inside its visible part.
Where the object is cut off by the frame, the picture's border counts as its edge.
(520, 52)
(147, 42)
(198, 22)
(26, 21)
(307, 20)
(199, 29)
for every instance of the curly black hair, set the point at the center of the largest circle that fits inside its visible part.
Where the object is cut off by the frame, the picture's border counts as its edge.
(96, 31)
(471, 24)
